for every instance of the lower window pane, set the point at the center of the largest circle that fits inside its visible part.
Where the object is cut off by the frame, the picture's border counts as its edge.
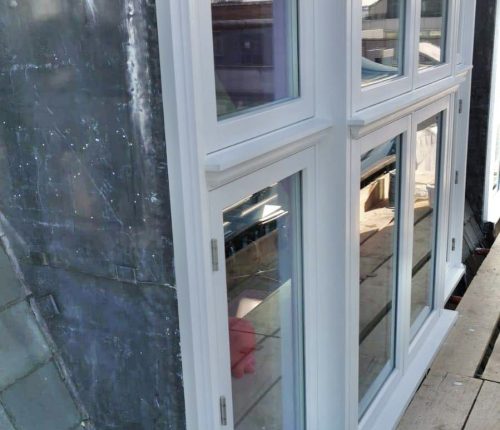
(425, 215)
(379, 206)
(264, 291)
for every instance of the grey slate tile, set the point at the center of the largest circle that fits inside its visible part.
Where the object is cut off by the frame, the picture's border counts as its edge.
(22, 345)
(41, 401)
(10, 287)
(5, 423)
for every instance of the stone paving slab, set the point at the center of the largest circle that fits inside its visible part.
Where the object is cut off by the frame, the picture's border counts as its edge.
(22, 345)
(442, 403)
(486, 412)
(41, 401)
(5, 423)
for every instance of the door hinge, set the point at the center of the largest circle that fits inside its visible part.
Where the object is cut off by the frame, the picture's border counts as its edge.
(456, 177)
(214, 247)
(223, 411)
(460, 106)
(453, 244)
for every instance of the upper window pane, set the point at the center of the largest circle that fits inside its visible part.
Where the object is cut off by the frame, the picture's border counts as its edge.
(432, 33)
(382, 45)
(255, 53)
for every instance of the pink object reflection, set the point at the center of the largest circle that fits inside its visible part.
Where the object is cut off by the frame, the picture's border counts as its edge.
(242, 346)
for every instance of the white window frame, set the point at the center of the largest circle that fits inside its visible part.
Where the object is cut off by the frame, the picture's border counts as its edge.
(435, 73)
(219, 134)
(359, 147)
(378, 92)
(218, 332)
(185, 33)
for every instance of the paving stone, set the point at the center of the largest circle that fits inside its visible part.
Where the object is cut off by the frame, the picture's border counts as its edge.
(10, 287)
(41, 401)
(5, 423)
(22, 345)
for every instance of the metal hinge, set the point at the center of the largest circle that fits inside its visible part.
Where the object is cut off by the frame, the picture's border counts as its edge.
(214, 247)
(456, 177)
(223, 411)
(453, 244)
(460, 105)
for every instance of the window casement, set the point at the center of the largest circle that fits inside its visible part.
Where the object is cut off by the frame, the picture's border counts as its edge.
(434, 51)
(400, 190)
(381, 50)
(379, 184)
(430, 185)
(253, 68)
(264, 296)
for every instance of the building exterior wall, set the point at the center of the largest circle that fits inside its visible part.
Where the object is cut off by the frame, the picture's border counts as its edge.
(480, 105)
(85, 216)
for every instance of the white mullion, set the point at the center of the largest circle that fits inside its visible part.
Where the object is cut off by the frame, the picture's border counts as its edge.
(405, 241)
(409, 235)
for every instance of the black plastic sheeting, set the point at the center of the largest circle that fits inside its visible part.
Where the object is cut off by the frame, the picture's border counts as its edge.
(84, 199)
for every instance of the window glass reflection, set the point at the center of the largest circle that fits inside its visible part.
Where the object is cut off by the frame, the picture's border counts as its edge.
(425, 215)
(379, 206)
(382, 43)
(432, 33)
(255, 53)
(264, 291)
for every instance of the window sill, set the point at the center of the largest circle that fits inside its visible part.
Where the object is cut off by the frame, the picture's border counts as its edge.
(228, 164)
(386, 416)
(377, 116)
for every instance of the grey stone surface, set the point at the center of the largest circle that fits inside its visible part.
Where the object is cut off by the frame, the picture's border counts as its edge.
(10, 287)
(41, 401)
(480, 104)
(5, 423)
(22, 345)
(84, 200)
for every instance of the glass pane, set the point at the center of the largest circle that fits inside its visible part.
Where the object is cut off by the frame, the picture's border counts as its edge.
(460, 31)
(383, 22)
(432, 33)
(425, 204)
(264, 291)
(379, 206)
(255, 53)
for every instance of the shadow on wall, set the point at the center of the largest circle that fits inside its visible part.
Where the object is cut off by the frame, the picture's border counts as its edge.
(85, 220)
